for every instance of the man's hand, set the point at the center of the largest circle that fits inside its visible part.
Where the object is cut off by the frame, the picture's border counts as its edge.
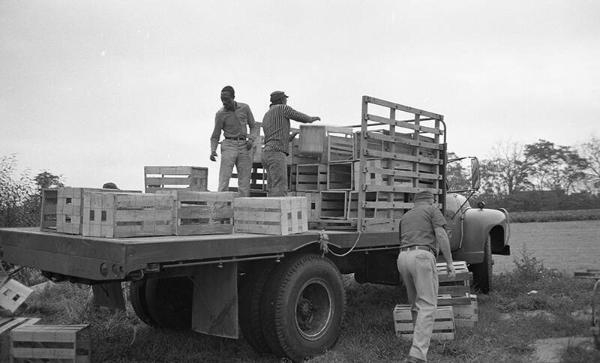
(451, 271)
(213, 156)
(249, 144)
(315, 118)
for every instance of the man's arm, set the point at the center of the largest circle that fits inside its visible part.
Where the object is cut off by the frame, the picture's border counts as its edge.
(214, 139)
(444, 243)
(252, 125)
(298, 116)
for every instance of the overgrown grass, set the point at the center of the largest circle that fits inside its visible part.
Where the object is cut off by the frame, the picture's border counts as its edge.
(555, 216)
(511, 318)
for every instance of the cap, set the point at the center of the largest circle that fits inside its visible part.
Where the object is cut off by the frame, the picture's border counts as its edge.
(277, 95)
(423, 196)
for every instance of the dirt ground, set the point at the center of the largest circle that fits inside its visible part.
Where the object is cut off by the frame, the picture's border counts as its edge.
(566, 246)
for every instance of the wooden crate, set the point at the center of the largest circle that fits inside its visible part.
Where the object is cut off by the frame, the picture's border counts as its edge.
(6, 325)
(458, 285)
(333, 204)
(339, 146)
(467, 315)
(48, 210)
(175, 177)
(272, 215)
(51, 343)
(13, 294)
(69, 207)
(314, 204)
(116, 215)
(310, 177)
(312, 139)
(443, 326)
(340, 176)
(202, 212)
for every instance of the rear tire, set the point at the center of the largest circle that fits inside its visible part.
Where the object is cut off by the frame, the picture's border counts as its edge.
(482, 272)
(251, 292)
(169, 302)
(303, 307)
(137, 296)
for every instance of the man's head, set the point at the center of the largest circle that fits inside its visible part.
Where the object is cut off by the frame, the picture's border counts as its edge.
(109, 185)
(278, 97)
(423, 197)
(227, 97)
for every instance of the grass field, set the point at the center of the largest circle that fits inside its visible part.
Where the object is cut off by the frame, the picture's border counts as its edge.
(510, 320)
(555, 215)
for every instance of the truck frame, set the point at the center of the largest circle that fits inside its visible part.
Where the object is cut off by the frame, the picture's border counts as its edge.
(283, 293)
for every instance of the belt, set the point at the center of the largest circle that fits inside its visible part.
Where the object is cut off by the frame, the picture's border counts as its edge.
(411, 248)
(236, 138)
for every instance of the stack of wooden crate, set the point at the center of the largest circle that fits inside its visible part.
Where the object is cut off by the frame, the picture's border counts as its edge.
(456, 292)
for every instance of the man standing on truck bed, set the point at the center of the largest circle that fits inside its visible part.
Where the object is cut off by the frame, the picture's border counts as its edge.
(422, 235)
(233, 118)
(276, 127)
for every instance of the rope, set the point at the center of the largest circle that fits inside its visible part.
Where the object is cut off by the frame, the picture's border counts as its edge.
(324, 244)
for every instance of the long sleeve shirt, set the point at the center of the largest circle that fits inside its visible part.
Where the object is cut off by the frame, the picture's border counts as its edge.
(276, 126)
(233, 124)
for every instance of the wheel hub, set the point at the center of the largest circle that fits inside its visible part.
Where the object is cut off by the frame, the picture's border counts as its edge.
(314, 309)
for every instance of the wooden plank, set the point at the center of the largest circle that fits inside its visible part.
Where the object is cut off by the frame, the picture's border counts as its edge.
(404, 124)
(399, 156)
(398, 189)
(402, 140)
(403, 108)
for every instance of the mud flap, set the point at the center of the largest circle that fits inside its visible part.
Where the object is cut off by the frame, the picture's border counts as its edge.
(215, 304)
(110, 295)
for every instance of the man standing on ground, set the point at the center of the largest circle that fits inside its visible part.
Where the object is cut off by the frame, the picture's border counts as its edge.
(276, 127)
(422, 235)
(233, 119)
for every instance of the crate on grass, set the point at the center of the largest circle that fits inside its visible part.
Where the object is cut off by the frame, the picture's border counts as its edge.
(465, 308)
(116, 215)
(271, 215)
(443, 326)
(202, 212)
(69, 207)
(51, 343)
(6, 325)
(175, 178)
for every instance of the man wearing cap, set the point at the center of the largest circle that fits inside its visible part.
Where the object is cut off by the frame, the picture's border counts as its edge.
(422, 236)
(233, 119)
(276, 127)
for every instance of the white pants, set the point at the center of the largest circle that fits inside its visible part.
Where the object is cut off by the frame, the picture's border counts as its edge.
(419, 274)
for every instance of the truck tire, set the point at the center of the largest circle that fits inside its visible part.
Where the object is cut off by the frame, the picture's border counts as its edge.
(251, 292)
(482, 272)
(303, 307)
(169, 302)
(137, 296)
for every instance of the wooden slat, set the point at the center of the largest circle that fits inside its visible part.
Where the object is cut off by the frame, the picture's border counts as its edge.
(402, 140)
(398, 189)
(404, 124)
(401, 173)
(398, 156)
(400, 107)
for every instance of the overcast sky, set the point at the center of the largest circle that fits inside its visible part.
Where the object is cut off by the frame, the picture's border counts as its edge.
(95, 90)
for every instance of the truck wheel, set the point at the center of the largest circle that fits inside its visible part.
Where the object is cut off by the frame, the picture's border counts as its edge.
(303, 307)
(169, 302)
(251, 291)
(482, 272)
(137, 296)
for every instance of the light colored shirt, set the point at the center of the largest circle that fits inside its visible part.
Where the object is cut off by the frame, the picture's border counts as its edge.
(276, 126)
(417, 226)
(234, 124)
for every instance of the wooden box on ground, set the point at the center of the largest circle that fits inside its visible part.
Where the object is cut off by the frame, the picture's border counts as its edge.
(116, 215)
(457, 286)
(6, 325)
(13, 294)
(175, 177)
(202, 212)
(464, 308)
(48, 210)
(443, 327)
(69, 207)
(51, 343)
(273, 215)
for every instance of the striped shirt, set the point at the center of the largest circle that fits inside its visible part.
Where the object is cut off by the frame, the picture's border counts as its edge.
(233, 123)
(276, 126)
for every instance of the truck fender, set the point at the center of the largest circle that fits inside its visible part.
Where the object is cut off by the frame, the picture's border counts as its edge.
(478, 224)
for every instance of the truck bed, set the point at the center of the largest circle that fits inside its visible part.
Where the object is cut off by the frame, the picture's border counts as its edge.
(90, 258)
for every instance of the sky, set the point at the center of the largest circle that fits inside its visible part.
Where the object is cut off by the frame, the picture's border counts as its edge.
(95, 90)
